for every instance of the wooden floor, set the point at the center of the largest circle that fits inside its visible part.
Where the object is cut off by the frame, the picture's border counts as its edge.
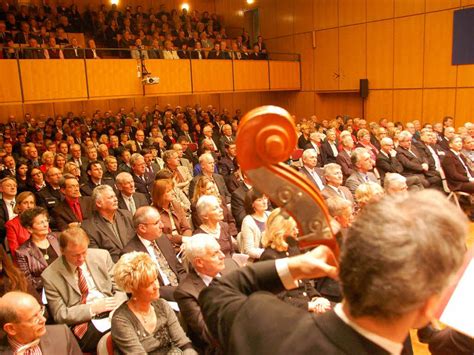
(422, 349)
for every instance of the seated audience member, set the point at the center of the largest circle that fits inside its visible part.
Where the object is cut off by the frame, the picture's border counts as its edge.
(207, 163)
(181, 175)
(36, 180)
(211, 215)
(237, 203)
(279, 242)
(205, 186)
(74, 209)
(40, 250)
(253, 225)
(344, 156)
(8, 166)
(145, 324)
(367, 193)
(178, 194)
(363, 141)
(139, 51)
(256, 54)
(342, 211)
(169, 52)
(73, 51)
(468, 148)
(197, 52)
(413, 162)
(456, 168)
(111, 167)
(226, 165)
(128, 198)
(73, 169)
(21, 176)
(362, 163)
(91, 51)
(95, 178)
(205, 260)
(109, 227)
(310, 169)
(149, 238)
(175, 224)
(34, 51)
(155, 51)
(16, 233)
(79, 286)
(143, 182)
(60, 161)
(25, 331)
(235, 310)
(53, 51)
(50, 196)
(12, 279)
(303, 139)
(395, 183)
(8, 188)
(333, 175)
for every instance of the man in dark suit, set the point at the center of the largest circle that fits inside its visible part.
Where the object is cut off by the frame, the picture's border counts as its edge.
(149, 239)
(50, 196)
(95, 175)
(67, 282)
(143, 182)
(448, 133)
(74, 208)
(362, 162)
(226, 138)
(128, 198)
(73, 51)
(109, 227)
(206, 261)
(458, 174)
(344, 156)
(309, 169)
(22, 319)
(35, 51)
(372, 319)
(237, 201)
(329, 150)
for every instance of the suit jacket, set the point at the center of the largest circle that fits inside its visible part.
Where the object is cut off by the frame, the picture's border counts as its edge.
(327, 155)
(49, 197)
(70, 53)
(221, 186)
(145, 187)
(319, 171)
(4, 217)
(356, 179)
(411, 163)
(57, 340)
(187, 294)
(31, 261)
(63, 214)
(239, 316)
(88, 187)
(62, 289)
(454, 170)
(388, 164)
(344, 160)
(329, 192)
(139, 199)
(101, 234)
(167, 250)
(16, 235)
(237, 204)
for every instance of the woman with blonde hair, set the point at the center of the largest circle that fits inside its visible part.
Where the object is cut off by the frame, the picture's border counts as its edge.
(16, 233)
(206, 187)
(60, 161)
(366, 193)
(279, 242)
(145, 324)
(48, 161)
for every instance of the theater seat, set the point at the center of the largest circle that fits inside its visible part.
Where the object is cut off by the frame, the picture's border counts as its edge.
(105, 345)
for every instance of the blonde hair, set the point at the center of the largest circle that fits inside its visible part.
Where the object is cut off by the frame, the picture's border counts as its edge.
(134, 270)
(366, 192)
(279, 226)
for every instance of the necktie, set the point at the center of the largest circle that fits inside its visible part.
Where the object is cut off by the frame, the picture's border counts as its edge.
(165, 269)
(131, 204)
(76, 208)
(81, 329)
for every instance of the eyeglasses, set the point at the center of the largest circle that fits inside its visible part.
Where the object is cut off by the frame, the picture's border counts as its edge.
(38, 317)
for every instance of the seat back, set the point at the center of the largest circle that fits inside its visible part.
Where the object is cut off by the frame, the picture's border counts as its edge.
(105, 345)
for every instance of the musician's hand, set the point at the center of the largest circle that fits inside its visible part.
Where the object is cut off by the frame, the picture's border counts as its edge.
(319, 262)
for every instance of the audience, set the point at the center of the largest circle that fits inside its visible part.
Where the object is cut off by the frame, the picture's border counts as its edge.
(17, 234)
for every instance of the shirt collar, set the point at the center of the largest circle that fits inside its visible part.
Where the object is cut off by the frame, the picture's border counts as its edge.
(147, 243)
(205, 278)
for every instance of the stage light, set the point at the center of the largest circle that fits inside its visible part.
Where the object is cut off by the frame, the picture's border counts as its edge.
(185, 6)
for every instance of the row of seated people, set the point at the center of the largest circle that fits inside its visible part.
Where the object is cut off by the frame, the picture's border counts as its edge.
(210, 209)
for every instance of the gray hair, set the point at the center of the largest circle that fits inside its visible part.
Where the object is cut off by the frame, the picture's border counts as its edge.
(196, 247)
(120, 178)
(399, 252)
(393, 179)
(386, 141)
(204, 157)
(99, 191)
(337, 205)
(404, 135)
(331, 168)
(135, 157)
(307, 152)
(204, 204)
(356, 154)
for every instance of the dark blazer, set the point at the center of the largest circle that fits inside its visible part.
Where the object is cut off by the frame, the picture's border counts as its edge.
(49, 197)
(31, 261)
(194, 54)
(4, 217)
(102, 237)
(33, 53)
(57, 340)
(327, 155)
(221, 186)
(411, 163)
(344, 160)
(319, 171)
(63, 214)
(139, 199)
(166, 248)
(237, 204)
(186, 294)
(145, 187)
(239, 316)
(456, 175)
(387, 164)
(70, 53)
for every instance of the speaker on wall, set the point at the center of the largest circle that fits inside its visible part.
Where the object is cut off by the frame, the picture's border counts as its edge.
(364, 88)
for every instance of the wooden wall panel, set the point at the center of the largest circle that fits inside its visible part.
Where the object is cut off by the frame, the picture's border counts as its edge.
(409, 7)
(175, 76)
(325, 14)
(284, 17)
(408, 52)
(464, 106)
(40, 110)
(352, 12)
(251, 75)
(352, 56)
(303, 16)
(438, 70)
(212, 78)
(268, 18)
(304, 46)
(438, 103)
(407, 105)
(284, 75)
(10, 91)
(326, 60)
(328, 106)
(379, 104)
(379, 9)
(7, 110)
(113, 78)
(247, 101)
(45, 80)
(436, 5)
(302, 104)
(467, 2)
(380, 54)
(62, 108)
(90, 106)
